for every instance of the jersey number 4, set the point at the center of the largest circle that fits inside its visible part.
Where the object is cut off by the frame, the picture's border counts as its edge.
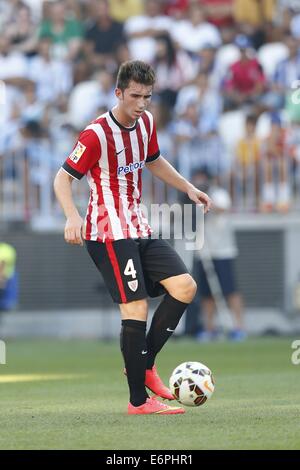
(129, 270)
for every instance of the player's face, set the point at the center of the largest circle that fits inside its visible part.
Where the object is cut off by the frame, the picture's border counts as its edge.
(134, 100)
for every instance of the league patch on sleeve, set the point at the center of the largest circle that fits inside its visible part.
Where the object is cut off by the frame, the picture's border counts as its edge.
(77, 152)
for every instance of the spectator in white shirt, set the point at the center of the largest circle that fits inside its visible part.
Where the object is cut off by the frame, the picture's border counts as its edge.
(195, 32)
(174, 69)
(141, 30)
(52, 76)
(89, 97)
(22, 31)
(13, 65)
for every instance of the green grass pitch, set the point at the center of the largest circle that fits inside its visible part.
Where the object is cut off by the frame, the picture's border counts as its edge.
(73, 395)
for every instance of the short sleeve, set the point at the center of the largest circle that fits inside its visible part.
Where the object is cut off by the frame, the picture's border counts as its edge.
(153, 149)
(84, 156)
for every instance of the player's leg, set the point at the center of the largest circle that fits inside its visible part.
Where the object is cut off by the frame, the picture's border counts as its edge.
(119, 262)
(181, 290)
(134, 348)
(163, 267)
(164, 322)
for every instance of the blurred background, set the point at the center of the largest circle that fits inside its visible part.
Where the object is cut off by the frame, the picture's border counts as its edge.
(226, 104)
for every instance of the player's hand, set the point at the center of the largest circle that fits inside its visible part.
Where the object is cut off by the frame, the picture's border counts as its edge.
(200, 198)
(73, 230)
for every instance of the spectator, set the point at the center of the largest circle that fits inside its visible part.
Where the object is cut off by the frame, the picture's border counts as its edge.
(198, 144)
(121, 10)
(283, 5)
(246, 168)
(214, 268)
(186, 134)
(219, 12)
(65, 31)
(9, 11)
(41, 87)
(287, 72)
(173, 69)
(103, 37)
(176, 8)
(88, 97)
(122, 54)
(53, 77)
(142, 30)
(293, 150)
(254, 18)
(162, 117)
(22, 31)
(295, 26)
(245, 82)
(13, 64)
(207, 99)
(193, 33)
(8, 277)
(276, 189)
(36, 8)
(13, 75)
(161, 114)
(206, 59)
(37, 169)
(29, 108)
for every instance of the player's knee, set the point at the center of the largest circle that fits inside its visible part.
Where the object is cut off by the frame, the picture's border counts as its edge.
(137, 310)
(186, 289)
(189, 289)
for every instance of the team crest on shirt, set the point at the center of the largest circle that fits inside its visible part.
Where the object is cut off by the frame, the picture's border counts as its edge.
(77, 152)
(133, 285)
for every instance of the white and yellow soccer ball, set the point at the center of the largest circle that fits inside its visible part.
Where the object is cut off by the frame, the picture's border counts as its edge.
(192, 383)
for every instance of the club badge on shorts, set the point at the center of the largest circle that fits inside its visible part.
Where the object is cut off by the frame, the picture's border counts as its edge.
(133, 285)
(77, 152)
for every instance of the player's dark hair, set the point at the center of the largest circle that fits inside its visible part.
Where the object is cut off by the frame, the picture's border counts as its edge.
(136, 71)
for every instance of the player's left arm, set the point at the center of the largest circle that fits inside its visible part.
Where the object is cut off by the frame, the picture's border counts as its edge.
(161, 168)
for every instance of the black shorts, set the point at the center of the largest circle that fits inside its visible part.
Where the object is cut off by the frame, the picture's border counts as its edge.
(224, 269)
(133, 268)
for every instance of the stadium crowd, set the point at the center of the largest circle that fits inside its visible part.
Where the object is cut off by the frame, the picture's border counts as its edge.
(226, 100)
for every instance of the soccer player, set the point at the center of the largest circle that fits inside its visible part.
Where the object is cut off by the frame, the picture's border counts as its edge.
(112, 151)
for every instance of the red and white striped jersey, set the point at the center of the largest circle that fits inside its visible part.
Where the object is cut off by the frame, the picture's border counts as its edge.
(112, 157)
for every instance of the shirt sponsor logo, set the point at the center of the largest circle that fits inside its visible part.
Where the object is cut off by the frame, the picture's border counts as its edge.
(77, 152)
(123, 170)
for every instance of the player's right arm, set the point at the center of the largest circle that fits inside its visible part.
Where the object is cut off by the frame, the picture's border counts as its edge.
(84, 156)
(74, 222)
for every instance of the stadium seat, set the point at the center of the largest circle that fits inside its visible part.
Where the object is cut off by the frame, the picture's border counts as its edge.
(269, 55)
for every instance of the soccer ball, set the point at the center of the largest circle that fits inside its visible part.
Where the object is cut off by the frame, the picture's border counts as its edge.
(192, 383)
